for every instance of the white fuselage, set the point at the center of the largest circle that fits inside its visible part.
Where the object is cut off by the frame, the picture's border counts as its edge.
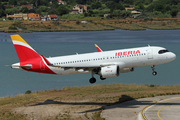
(124, 58)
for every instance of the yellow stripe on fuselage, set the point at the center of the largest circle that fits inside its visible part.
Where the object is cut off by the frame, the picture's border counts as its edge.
(18, 38)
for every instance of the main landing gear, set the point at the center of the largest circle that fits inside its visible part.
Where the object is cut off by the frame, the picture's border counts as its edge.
(102, 78)
(154, 72)
(93, 80)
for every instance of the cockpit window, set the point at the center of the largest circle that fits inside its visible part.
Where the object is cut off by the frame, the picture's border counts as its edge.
(163, 51)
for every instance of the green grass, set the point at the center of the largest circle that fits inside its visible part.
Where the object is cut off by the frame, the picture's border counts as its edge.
(107, 94)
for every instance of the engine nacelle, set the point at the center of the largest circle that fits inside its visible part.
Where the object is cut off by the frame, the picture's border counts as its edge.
(124, 70)
(109, 71)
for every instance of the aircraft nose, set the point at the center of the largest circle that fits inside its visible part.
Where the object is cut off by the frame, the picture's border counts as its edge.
(172, 56)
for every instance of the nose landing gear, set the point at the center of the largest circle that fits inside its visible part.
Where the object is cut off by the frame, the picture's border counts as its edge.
(154, 72)
(92, 80)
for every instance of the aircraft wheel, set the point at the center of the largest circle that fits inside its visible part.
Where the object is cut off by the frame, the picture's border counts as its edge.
(102, 78)
(92, 80)
(154, 73)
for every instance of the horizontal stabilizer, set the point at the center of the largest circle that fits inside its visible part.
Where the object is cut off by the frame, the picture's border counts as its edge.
(27, 66)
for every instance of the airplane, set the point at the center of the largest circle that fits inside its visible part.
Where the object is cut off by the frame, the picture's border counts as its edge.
(106, 64)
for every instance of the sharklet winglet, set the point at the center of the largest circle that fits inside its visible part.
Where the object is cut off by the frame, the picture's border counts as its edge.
(98, 48)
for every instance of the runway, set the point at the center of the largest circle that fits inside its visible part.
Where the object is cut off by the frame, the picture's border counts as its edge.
(153, 108)
(163, 110)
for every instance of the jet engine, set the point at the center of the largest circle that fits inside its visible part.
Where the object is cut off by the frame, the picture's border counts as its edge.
(109, 71)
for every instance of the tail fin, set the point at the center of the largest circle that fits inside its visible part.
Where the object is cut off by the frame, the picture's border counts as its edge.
(23, 49)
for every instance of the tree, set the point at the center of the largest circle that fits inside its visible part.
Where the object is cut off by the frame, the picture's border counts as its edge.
(174, 2)
(114, 6)
(117, 13)
(139, 2)
(147, 2)
(119, 6)
(125, 13)
(129, 2)
(62, 9)
(10, 11)
(140, 7)
(44, 2)
(35, 2)
(90, 12)
(109, 4)
(22, 2)
(53, 11)
(174, 12)
(96, 5)
(150, 8)
(12, 2)
(159, 7)
(24, 10)
(43, 8)
(2, 13)
(2, 10)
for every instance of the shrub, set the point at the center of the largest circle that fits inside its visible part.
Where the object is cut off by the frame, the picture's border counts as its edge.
(9, 18)
(28, 92)
(12, 28)
(174, 12)
(151, 85)
(72, 16)
(78, 22)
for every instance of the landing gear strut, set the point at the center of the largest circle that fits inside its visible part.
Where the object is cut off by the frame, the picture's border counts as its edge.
(92, 80)
(154, 72)
(102, 78)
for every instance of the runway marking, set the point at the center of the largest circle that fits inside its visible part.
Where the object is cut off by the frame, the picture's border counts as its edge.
(143, 110)
(160, 110)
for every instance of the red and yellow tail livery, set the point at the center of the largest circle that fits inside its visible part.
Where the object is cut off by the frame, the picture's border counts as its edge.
(29, 59)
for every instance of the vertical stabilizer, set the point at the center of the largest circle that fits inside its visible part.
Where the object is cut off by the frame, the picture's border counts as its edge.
(23, 49)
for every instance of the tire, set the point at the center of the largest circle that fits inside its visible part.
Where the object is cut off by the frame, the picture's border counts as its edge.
(102, 78)
(154, 73)
(92, 80)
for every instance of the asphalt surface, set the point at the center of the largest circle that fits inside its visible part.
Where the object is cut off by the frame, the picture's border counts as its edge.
(153, 108)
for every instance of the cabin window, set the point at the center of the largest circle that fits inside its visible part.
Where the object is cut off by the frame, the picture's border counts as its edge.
(163, 51)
